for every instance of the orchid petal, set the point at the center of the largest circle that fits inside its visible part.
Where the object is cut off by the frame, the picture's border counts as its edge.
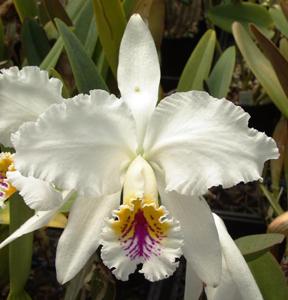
(227, 289)
(79, 144)
(139, 71)
(81, 236)
(37, 194)
(193, 285)
(201, 243)
(237, 278)
(24, 95)
(40, 219)
(200, 141)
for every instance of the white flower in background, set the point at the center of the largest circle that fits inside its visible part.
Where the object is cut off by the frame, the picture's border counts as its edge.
(24, 95)
(97, 144)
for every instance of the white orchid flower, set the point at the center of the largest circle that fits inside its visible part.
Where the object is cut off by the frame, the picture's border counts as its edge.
(24, 95)
(97, 144)
(237, 281)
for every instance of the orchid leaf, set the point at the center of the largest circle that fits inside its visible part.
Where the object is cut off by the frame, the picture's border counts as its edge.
(84, 11)
(283, 47)
(284, 7)
(244, 13)
(128, 7)
(278, 62)
(4, 256)
(27, 8)
(56, 10)
(269, 277)
(280, 136)
(221, 75)
(35, 42)
(79, 60)
(110, 22)
(261, 68)
(157, 21)
(52, 57)
(279, 19)
(254, 245)
(199, 64)
(19, 265)
(73, 8)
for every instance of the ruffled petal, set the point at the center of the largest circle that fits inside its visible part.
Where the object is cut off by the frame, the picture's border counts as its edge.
(237, 282)
(141, 233)
(193, 285)
(201, 243)
(40, 219)
(79, 144)
(24, 95)
(139, 71)
(200, 141)
(37, 194)
(81, 236)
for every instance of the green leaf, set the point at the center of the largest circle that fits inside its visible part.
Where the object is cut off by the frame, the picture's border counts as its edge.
(278, 62)
(199, 64)
(20, 250)
(279, 20)
(269, 277)
(84, 70)
(283, 47)
(244, 13)
(56, 10)
(111, 23)
(35, 42)
(221, 75)
(280, 136)
(4, 257)
(261, 67)
(85, 28)
(258, 243)
(25, 9)
(52, 57)
(82, 29)
(128, 6)
(284, 7)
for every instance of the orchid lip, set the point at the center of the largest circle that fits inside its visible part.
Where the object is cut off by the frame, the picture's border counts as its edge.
(142, 233)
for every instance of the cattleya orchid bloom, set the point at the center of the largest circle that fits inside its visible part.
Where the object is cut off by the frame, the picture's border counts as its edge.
(24, 95)
(163, 158)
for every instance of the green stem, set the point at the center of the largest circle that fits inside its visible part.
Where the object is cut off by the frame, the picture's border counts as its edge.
(277, 208)
(20, 250)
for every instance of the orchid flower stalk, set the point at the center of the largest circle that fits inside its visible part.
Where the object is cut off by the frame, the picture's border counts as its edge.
(162, 157)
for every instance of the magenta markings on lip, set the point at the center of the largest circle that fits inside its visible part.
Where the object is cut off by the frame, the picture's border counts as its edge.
(4, 185)
(141, 244)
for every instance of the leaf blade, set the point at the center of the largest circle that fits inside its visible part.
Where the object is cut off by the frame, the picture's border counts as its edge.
(111, 23)
(221, 75)
(198, 65)
(261, 67)
(89, 79)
